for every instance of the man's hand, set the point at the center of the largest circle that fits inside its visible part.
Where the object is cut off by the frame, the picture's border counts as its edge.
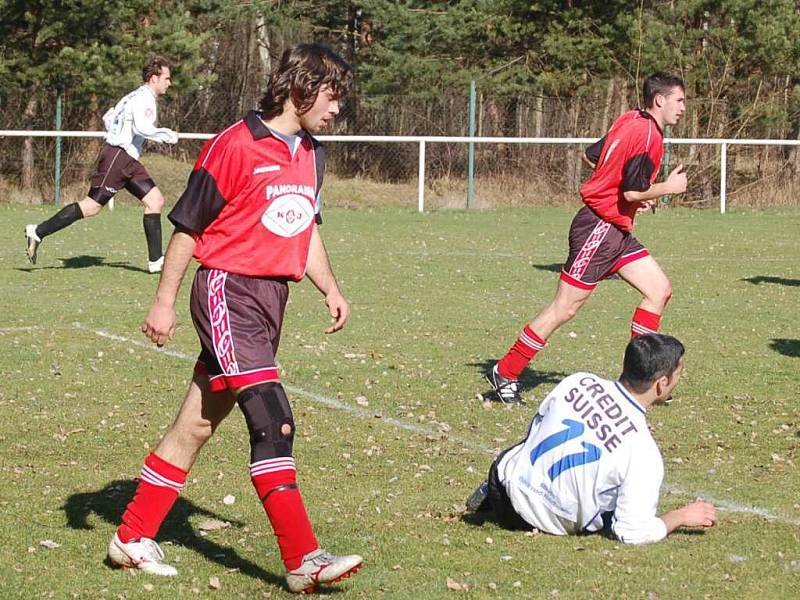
(648, 205)
(159, 324)
(338, 309)
(699, 514)
(676, 180)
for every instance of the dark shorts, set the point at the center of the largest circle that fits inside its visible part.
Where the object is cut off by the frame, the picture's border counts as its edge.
(238, 320)
(597, 250)
(504, 512)
(115, 170)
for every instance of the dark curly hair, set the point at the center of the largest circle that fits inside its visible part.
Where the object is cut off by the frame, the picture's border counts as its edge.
(301, 72)
(153, 66)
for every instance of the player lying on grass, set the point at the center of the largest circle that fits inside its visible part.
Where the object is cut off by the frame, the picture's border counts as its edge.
(589, 462)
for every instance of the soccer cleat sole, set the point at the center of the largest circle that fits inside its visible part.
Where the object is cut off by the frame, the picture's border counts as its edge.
(346, 575)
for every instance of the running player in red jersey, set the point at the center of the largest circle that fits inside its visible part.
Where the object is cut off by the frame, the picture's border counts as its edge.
(249, 216)
(626, 162)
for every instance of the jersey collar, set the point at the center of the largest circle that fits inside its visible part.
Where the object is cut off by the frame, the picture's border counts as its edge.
(646, 115)
(258, 130)
(256, 126)
(630, 398)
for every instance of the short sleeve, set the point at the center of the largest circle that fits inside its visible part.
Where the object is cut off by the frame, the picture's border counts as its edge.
(200, 203)
(217, 177)
(594, 151)
(637, 173)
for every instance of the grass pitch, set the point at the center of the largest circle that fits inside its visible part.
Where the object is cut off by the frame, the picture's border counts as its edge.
(391, 438)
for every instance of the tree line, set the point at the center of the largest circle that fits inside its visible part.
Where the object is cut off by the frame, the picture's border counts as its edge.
(545, 68)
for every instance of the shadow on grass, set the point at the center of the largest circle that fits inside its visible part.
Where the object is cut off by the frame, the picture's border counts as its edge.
(86, 261)
(786, 347)
(758, 280)
(552, 268)
(529, 379)
(109, 503)
(557, 268)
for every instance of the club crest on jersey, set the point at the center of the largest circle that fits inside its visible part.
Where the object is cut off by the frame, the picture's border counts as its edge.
(288, 215)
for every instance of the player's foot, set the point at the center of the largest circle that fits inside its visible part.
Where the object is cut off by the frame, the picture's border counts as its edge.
(32, 242)
(143, 554)
(321, 566)
(507, 390)
(155, 266)
(478, 501)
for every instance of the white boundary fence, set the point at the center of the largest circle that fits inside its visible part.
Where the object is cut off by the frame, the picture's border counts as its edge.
(421, 141)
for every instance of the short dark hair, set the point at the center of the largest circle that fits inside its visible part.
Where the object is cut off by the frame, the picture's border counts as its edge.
(153, 66)
(301, 72)
(660, 83)
(648, 358)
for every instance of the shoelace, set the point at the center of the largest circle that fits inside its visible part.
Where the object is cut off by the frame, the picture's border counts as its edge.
(153, 548)
(322, 558)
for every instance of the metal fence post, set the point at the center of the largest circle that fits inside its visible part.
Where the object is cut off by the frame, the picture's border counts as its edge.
(723, 176)
(471, 147)
(57, 197)
(421, 193)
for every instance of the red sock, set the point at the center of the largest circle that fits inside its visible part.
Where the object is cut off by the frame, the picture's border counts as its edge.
(285, 508)
(520, 354)
(644, 322)
(159, 486)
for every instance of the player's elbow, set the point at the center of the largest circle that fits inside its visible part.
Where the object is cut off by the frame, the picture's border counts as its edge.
(632, 196)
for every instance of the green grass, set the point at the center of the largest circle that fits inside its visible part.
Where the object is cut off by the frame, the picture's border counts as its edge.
(435, 298)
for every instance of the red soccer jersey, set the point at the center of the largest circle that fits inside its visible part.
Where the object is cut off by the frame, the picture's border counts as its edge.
(626, 159)
(250, 204)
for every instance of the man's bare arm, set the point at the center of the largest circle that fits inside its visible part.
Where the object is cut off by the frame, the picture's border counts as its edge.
(159, 324)
(319, 271)
(675, 184)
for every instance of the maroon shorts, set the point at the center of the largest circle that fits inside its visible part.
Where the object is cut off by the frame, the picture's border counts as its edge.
(597, 249)
(116, 169)
(238, 320)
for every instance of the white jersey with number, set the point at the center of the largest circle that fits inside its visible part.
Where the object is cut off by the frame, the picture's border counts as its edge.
(133, 120)
(588, 451)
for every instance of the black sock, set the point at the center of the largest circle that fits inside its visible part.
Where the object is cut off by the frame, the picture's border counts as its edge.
(63, 218)
(152, 231)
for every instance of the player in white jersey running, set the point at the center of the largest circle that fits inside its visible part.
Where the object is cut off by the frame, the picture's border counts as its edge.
(128, 125)
(589, 462)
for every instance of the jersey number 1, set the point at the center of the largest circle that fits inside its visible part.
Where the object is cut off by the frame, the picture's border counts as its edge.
(574, 429)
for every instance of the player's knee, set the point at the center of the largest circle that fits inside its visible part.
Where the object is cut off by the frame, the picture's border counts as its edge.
(154, 201)
(269, 420)
(662, 293)
(90, 208)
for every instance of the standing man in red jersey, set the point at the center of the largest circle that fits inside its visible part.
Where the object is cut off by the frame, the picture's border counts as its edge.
(249, 216)
(626, 163)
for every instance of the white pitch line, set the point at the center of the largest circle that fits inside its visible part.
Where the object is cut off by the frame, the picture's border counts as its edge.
(331, 402)
(5, 330)
(734, 507)
(723, 505)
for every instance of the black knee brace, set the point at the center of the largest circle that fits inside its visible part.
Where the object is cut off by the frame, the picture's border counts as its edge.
(266, 410)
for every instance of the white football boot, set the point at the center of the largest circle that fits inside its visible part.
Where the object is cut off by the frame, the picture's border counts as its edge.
(321, 566)
(32, 242)
(155, 266)
(143, 554)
